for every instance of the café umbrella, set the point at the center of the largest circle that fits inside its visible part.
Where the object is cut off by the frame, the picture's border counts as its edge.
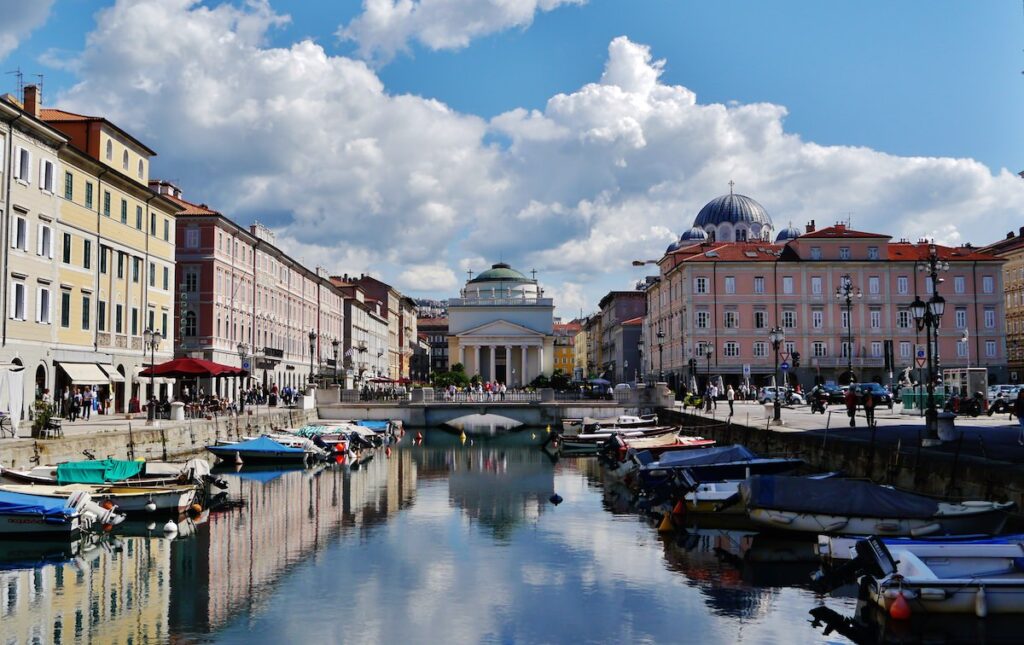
(192, 368)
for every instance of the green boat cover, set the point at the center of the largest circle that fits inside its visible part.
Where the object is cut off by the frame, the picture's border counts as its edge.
(97, 472)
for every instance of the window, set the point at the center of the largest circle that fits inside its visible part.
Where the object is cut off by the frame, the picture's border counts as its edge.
(101, 316)
(961, 318)
(817, 319)
(903, 319)
(152, 275)
(844, 319)
(959, 284)
(816, 285)
(732, 320)
(118, 319)
(69, 186)
(990, 348)
(65, 309)
(190, 324)
(844, 349)
(88, 194)
(191, 280)
(139, 172)
(787, 284)
(166, 278)
(990, 318)
(138, 217)
(18, 301)
(110, 150)
(23, 165)
(135, 321)
(124, 160)
(961, 349)
(988, 284)
(844, 253)
(103, 259)
(790, 346)
(902, 285)
(44, 246)
(700, 285)
(876, 318)
(46, 178)
(876, 349)
(120, 265)
(904, 349)
(760, 349)
(872, 252)
(136, 269)
(730, 284)
(152, 224)
(65, 255)
(43, 305)
(703, 320)
(124, 211)
(19, 238)
(86, 254)
(759, 284)
(106, 203)
(86, 302)
(760, 320)
(152, 320)
(732, 349)
(815, 252)
(928, 284)
(874, 285)
(167, 230)
(789, 318)
(163, 324)
(819, 349)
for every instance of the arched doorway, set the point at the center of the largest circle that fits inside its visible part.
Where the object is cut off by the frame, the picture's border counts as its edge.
(40, 381)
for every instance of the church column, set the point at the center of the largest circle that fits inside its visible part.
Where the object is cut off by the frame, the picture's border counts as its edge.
(508, 365)
(540, 368)
(462, 354)
(476, 361)
(523, 382)
(493, 352)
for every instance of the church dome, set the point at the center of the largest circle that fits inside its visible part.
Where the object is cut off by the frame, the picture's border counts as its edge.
(732, 209)
(694, 235)
(787, 234)
(498, 272)
(673, 247)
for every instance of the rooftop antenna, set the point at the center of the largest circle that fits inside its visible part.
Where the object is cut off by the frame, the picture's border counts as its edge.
(21, 82)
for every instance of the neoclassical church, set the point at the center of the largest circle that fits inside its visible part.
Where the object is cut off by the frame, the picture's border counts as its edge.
(733, 218)
(501, 327)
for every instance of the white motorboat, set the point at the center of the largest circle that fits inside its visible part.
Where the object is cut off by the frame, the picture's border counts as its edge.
(127, 499)
(591, 441)
(575, 426)
(835, 549)
(148, 473)
(25, 515)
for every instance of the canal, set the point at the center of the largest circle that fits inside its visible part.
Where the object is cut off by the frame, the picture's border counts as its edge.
(447, 541)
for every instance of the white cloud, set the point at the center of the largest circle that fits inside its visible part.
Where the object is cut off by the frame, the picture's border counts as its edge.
(387, 27)
(19, 20)
(359, 180)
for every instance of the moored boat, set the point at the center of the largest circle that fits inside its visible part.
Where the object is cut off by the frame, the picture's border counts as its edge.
(127, 499)
(716, 463)
(111, 471)
(26, 514)
(264, 450)
(590, 442)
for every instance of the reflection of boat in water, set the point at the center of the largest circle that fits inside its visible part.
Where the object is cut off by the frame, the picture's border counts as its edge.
(869, 625)
(523, 437)
(483, 424)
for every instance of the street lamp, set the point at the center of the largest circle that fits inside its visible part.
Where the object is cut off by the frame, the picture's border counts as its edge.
(243, 351)
(927, 317)
(640, 352)
(152, 340)
(776, 336)
(661, 345)
(966, 337)
(312, 348)
(847, 292)
(335, 343)
(709, 351)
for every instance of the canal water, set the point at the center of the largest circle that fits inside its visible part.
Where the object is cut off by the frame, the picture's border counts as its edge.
(447, 541)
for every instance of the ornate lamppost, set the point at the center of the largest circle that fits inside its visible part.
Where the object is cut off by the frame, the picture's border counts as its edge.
(776, 336)
(312, 349)
(661, 345)
(927, 316)
(709, 351)
(335, 344)
(152, 340)
(243, 351)
(846, 292)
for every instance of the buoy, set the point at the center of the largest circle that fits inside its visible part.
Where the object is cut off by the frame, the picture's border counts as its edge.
(151, 526)
(462, 437)
(150, 506)
(980, 603)
(387, 451)
(900, 608)
(197, 508)
(419, 436)
(555, 499)
(548, 429)
(171, 527)
(679, 508)
(108, 527)
(107, 504)
(533, 435)
(238, 458)
(666, 524)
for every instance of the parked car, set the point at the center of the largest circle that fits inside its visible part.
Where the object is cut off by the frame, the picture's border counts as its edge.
(1008, 392)
(788, 395)
(881, 395)
(835, 394)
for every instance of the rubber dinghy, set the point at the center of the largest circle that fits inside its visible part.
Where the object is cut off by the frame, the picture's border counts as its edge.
(849, 507)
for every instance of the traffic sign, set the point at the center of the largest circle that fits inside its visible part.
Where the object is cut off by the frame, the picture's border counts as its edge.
(785, 356)
(921, 362)
(784, 366)
(746, 370)
(245, 365)
(919, 353)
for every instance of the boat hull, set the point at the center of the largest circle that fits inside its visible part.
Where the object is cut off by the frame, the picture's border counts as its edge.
(956, 596)
(228, 454)
(988, 521)
(17, 526)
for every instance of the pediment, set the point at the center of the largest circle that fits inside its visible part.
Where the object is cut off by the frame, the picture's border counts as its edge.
(501, 328)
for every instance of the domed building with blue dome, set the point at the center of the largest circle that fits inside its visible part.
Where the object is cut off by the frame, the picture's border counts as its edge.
(734, 218)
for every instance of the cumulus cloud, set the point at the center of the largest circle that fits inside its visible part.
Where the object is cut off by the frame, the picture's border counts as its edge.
(19, 20)
(358, 179)
(387, 27)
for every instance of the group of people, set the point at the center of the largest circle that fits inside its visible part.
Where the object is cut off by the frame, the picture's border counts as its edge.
(482, 391)
(77, 402)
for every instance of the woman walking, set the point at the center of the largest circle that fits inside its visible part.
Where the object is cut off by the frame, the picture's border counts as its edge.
(1018, 409)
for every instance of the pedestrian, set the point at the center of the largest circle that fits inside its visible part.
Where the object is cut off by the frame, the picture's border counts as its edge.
(502, 389)
(730, 395)
(869, 408)
(714, 396)
(87, 403)
(1018, 409)
(851, 404)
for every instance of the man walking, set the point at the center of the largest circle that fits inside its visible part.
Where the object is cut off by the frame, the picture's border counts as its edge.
(730, 396)
(1018, 409)
(869, 408)
(851, 404)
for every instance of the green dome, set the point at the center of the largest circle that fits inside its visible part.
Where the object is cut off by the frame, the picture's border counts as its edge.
(500, 271)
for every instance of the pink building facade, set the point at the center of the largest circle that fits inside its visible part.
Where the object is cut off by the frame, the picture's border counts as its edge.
(236, 288)
(715, 302)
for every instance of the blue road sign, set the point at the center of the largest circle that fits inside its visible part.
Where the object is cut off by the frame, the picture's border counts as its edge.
(245, 365)
(784, 366)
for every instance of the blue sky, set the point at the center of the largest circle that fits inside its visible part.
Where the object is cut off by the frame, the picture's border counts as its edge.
(906, 79)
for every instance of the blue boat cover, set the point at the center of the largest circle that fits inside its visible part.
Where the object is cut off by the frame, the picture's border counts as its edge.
(704, 456)
(262, 444)
(97, 472)
(377, 426)
(841, 497)
(52, 509)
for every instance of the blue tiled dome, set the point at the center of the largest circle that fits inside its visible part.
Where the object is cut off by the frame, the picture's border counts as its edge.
(694, 235)
(732, 209)
(787, 234)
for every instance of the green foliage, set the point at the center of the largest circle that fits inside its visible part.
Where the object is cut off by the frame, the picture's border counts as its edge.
(455, 377)
(42, 416)
(560, 380)
(540, 381)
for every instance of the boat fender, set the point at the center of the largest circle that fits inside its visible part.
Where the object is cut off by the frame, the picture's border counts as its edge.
(666, 525)
(238, 458)
(151, 526)
(197, 508)
(555, 499)
(150, 506)
(548, 429)
(779, 518)
(927, 529)
(679, 509)
(887, 527)
(170, 527)
(980, 603)
(932, 594)
(977, 503)
(900, 608)
(835, 526)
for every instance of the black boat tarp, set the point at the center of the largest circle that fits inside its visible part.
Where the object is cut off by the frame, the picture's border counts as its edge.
(840, 497)
(704, 456)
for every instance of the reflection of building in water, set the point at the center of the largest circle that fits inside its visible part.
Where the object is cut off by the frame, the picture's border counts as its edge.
(234, 565)
(115, 596)
(500, 488)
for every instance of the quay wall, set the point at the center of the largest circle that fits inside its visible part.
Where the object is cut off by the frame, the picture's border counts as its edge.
(930, 472)
(169, 440)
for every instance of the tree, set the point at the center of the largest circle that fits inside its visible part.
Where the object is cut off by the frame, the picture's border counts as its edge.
(455, 376)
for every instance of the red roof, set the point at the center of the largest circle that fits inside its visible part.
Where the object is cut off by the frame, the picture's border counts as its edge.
(731, 252)
(639, 320)
(188, 208)
(908, 252)
(840, 231)
(53, 114)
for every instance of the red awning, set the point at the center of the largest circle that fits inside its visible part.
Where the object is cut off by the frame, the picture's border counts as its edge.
(191, 368)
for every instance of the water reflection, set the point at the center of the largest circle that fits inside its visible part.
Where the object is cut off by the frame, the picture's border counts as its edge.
(443, 540)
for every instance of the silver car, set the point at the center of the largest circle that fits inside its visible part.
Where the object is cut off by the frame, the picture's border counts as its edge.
(788, 395)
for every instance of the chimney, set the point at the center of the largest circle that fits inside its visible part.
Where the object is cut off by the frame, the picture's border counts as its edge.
(1022, 230)
(1009, 235)
(33, 100)
(810, 226)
